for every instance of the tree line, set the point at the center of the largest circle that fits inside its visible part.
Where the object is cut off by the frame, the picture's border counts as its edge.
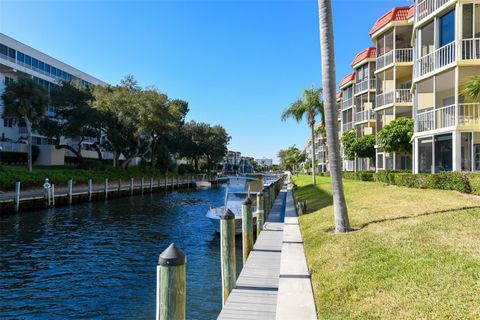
(126, 119)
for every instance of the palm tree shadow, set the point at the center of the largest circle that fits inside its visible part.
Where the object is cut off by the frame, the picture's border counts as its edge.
(318, 198)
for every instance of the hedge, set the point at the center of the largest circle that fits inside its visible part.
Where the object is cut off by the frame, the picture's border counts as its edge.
(448, 180)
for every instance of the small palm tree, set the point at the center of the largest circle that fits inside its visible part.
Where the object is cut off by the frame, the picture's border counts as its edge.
(309, 105)
(24, 100)
(471, 90)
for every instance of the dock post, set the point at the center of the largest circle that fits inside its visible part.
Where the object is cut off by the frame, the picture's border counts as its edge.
(141, 184)
(260, 213)
(131, 186)
(166, 182)
(151, 184)
(106, 188)
(247, 228)
(171, 284)
(70, 191)
(90, 187)
(178, 182)
(227, 253)
(17, 195)
(266, 201)
(119, 186)
(173, 183)
(52, 190)
(158, 183)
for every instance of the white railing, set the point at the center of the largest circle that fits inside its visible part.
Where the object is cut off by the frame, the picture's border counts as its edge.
(4, 56)
(435, 60)
(403, 96)
(404, 55)
(401, 55)
(436, 119)
(347, 126)
(469, 114)
(364, 115)
(384, 99)
(470, 49)
(427, 7)
(384, 60)
(347, 103)
(367, 84)
(22, 130)
(8, 146)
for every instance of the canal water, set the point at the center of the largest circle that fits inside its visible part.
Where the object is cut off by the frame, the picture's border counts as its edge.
(98, 260)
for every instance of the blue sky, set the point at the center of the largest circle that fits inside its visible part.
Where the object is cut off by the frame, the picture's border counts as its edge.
(238, 63)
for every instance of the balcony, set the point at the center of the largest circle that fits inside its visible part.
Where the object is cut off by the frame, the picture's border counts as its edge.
(464, 114)
(397, 96)
(347, 103)
(404, 55)
(470, 49)
(403, 96)
(426, 7)
(364, 115)
(347, 126)
(435, 60)
(368, 84)
(384, 99)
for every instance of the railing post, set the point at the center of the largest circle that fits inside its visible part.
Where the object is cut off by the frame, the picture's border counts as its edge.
(227, 253)
(106, 188)
(70, 191)
(171, 284)
(247, 228)
(89, 189)
(131, 186)
(260, 213)
(142, 181)
(17, 195)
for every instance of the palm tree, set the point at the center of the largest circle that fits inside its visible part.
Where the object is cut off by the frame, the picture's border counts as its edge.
(310, 105)
(24, 100)
(471, 90)
(342, 223)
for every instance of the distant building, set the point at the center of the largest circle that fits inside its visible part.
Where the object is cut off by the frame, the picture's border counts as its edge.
(235, 162)
(264, 162)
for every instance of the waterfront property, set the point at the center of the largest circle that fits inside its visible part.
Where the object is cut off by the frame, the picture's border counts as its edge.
(20, 60)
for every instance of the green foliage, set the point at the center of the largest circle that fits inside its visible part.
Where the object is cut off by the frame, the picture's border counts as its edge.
(291, 158)
(358, 175)
(348, 142)
(396, 136)
(471, 90)
(309, 105)
(364, 147)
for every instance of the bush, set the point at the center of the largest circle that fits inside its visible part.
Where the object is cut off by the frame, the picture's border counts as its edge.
(358, 175)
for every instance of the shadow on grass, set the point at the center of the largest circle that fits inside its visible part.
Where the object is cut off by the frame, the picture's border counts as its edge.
(317, 198)
(428, 213)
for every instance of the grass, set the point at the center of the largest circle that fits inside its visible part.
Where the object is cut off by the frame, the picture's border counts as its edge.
(415, 254)
(60, 175)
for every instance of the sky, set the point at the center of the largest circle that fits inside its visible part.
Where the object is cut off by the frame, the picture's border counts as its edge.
(238, 63)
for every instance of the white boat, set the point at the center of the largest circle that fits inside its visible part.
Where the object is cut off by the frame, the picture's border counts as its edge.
(238, 190)
(202, 182)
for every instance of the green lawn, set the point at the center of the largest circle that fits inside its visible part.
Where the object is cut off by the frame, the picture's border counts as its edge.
(415, 254)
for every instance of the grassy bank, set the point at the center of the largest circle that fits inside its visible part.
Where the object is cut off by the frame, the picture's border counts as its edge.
(415, 254)
(60, 175)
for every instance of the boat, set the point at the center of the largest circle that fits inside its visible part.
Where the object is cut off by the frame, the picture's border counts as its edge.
(238, 189)
(202, 182)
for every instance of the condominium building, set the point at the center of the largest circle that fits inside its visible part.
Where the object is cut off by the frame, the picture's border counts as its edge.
(19, 60)
(264, 162)
(321, 153)
(446, 54)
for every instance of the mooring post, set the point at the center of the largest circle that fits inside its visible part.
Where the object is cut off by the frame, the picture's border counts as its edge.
(142, 181)
(70, 191)
(17, 195)
(158, 183)
(166, 182)
(119, 186)
(151, 184)
(260, 213)
(52, 190)
(106, 188)
(173, 183)
(247, 228)
(227, 253)
(131, 186)
(171, 284)
(178, 182)
(300, 208)
(90, 187)
(266, 201)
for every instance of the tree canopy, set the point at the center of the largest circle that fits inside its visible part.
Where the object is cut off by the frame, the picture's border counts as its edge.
(396, 136)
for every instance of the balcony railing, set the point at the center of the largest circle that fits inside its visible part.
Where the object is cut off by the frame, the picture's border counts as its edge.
(403, 96)
(8, 146)
(401, 55)
(347, 103)
(364, 115)
(468, 114)
(435, 60)
(347, 126)
(470, 49)
(367, 84)
(384, 99)
(427, 7)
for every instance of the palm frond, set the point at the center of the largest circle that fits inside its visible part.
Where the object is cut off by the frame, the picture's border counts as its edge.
(471, 90)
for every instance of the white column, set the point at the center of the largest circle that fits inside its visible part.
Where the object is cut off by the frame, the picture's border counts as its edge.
(456, 151)
(415, 155)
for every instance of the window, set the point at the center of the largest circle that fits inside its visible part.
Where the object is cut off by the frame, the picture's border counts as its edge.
(47, 68)
(53, 71)
(443, 153)
(8, 80)
(20, 57)
(3, 49)
(11, 53)
(425, 155)
(447, 28)
(426, 40)
(41, 65)
(34, 63)
(471, 21)
(28, 60)
(7, 123)
(59, 73)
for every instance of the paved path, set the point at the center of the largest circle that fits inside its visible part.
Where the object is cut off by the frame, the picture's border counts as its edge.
(261, 290)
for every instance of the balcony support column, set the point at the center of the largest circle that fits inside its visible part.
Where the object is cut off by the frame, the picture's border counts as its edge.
(456, 151)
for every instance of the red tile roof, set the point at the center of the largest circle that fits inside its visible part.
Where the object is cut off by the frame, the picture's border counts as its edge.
(347, 79)
(369, 53)
(396, 14)
(339, 95)
(411, 12)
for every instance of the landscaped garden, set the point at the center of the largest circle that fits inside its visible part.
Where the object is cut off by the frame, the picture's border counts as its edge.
(413, 254)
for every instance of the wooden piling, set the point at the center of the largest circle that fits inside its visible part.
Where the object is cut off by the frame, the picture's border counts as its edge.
(106, 188)
(151, 184)
(266, 201)
(90, 187)
(119, 185)
(142, 184)
(70, 191)
(260, 213)
(171, 284)
(17, 195)
(131, 186)
(52, 190)
(227, 253)
(247, 228)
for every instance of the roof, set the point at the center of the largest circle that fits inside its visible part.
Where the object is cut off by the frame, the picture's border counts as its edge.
(339, 95)
(369, 53)
(396, 14)
(347, 79)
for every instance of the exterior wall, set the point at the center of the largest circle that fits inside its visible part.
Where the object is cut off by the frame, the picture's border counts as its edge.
(49, 156)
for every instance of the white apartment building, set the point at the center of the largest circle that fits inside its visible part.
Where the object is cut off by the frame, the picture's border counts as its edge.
(264, 162)
(321, 152)
(20, 60)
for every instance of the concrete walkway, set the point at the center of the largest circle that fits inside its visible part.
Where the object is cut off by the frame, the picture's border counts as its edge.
(274, 272)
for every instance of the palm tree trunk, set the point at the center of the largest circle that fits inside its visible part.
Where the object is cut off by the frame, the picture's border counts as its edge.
(29, 143)
(342, 223)
(313, 155)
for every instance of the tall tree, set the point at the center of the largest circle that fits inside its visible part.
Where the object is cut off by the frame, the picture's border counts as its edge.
(25, 100)
(342, 223)
(310, 105)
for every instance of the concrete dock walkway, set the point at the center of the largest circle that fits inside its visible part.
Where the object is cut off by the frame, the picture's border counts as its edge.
(272, 275)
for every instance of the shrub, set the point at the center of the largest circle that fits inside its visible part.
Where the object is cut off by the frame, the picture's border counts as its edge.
(474, 182)
(358, 175)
